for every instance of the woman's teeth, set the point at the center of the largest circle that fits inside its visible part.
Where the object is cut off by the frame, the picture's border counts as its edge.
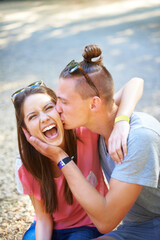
(49, 127)
(50, 131)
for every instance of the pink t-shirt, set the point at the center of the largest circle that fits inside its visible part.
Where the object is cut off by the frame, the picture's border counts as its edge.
(69, 216)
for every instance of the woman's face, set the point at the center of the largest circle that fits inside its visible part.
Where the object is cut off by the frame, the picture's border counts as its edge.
(42, 120)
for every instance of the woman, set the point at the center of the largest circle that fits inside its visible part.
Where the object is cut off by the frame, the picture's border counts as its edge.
(58, 214)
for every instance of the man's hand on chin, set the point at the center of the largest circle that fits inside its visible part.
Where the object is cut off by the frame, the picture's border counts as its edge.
(52, 152)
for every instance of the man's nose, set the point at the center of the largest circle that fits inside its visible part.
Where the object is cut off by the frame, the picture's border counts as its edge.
(58, 107)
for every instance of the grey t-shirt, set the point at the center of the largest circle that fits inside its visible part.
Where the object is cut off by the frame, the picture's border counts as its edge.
(140, 166)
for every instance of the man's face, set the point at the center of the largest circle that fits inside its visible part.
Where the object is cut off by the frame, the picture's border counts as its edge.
(73, 110)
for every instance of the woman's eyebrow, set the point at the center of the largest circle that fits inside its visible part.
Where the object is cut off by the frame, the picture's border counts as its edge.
(48, 104)
(30, 114)
(43, 108)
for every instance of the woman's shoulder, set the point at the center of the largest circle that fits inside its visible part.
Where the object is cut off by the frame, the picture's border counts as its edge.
(18, 163)
(20, 170)
(26, 183)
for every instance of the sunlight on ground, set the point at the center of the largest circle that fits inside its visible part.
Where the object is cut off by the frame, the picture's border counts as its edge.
(20, 24)
(103, 23)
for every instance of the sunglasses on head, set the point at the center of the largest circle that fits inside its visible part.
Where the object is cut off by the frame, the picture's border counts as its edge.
(32, 85)
(73, 66)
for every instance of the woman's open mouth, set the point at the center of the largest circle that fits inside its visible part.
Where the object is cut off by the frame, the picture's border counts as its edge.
(50, 131)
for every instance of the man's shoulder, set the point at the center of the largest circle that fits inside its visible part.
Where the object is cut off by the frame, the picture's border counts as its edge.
(143, 122)
(144, 130)
(143, 152)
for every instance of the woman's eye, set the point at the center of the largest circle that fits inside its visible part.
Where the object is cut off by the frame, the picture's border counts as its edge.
(49, 107)
(31, 117)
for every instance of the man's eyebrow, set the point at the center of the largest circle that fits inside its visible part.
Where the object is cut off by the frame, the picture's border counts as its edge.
(61, 98)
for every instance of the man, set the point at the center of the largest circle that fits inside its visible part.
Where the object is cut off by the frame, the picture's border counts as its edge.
(85, 98)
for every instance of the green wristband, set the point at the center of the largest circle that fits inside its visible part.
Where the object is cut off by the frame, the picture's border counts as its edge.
(122, 118)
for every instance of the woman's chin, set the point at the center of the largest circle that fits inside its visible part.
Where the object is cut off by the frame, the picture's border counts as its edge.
(57, 140)
(54, 141)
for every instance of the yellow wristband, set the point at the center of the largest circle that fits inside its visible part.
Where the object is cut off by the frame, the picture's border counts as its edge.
(122, 118)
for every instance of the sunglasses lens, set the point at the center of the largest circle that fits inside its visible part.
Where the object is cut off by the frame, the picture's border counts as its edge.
(32, 85)
(73, 68)
(71, 63)
(16, 93)
(35, 84)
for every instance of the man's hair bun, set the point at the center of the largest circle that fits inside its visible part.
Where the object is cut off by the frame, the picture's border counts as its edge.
(92, 51)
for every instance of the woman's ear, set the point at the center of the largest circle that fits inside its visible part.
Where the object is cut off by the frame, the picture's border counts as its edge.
(95, 104)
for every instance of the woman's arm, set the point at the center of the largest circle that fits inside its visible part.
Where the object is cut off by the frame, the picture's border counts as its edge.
(44, 222)
(126, 98)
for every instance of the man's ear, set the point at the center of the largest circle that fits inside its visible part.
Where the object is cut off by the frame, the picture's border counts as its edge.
(95, 104)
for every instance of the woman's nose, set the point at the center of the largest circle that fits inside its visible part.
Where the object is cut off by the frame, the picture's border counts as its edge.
(44, 117)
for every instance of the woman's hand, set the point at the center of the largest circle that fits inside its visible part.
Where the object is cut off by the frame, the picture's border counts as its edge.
(117, 142)
(54, 153)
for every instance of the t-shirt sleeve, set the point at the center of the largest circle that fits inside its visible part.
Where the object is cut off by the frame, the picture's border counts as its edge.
(141, 164)
(26, 183)
(18, 165)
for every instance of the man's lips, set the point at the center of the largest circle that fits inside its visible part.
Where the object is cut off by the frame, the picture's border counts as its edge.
(62, 120)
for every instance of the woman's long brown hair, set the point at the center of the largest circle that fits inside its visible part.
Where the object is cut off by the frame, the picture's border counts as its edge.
(37, 164)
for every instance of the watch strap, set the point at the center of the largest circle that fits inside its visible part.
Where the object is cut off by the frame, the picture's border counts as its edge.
(63, 162)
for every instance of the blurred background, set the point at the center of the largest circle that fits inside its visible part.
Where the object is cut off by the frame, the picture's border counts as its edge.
(39, 38)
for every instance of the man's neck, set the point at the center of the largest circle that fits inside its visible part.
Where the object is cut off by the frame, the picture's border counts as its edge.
(103, 122)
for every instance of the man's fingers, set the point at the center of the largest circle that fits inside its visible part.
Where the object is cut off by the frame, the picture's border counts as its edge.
(120, 153)
(44, 148)
(37, 144)
(115, 151)
(124, 147)
(26, 133)
(115, 157)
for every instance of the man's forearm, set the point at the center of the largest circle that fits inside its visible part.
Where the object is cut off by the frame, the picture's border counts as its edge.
(88, 197)
(105, 212)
